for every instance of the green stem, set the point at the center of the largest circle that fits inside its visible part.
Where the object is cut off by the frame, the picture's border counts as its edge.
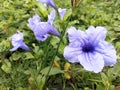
(57, 49)
(44, 57)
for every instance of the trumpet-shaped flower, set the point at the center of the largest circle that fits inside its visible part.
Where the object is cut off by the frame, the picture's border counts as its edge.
(17, 42)
(90, 49)
(43, 29)
(49, 2)
(34, 21)
(61, 12)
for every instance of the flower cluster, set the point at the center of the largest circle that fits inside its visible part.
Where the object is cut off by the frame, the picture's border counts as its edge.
(90, 49)
(42, 30)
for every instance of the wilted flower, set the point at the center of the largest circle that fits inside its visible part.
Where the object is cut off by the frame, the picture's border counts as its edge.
(17, 42)
(43, 29)
(61, 12)
(90, 49)
(49, 2)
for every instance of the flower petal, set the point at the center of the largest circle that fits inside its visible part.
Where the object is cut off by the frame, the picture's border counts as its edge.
(61, 12)
(76, 35)
(49, 2)
(51, 17)
(17, 41)
(96, 34)
(24, 46)
(43, 30)
(71, 54)
(108, 52)
(43, 37)
(92, 61)
(32, 22)
(14, 48)
(53, 31)
(17, 37)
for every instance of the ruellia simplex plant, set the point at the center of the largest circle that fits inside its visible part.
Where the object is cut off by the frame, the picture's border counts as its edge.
(59, 45)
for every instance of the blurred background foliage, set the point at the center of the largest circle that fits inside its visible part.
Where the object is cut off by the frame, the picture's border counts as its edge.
(22, 70)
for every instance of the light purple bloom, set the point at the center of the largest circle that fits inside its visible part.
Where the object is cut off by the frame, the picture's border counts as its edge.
(17, 42)
(34, 21)
(49, 2)
(90, 49)
(61, 12)
(43, 29)
(51, 17)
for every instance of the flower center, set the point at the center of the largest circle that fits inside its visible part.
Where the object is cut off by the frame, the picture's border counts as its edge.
(88, 48)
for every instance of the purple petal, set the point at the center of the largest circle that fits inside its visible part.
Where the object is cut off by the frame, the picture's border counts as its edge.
(43, 30)
(76, 35)
(71, 53)
(96, 34)
(14, 48)
(32, 22)
(17, 41)
(51, 17)
(91, 61)
(18, 36)
(24, 46)
(43, 37)
(61, 13)
(108, 52)
(53, 31)
(49, 2)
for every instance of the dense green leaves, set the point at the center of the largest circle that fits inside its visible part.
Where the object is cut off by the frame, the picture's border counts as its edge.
(27, 70)
(53, 71)
(6, 66)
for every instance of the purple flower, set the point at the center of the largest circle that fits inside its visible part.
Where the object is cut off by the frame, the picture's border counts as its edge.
(17, 42)
(90, 49)
(61, 13)
(51, 17)
(49, 2)
(34, 21)
(43, 29)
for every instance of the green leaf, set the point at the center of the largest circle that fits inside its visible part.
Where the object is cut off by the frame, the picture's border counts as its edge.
(86, 88)
(112, 87)
(53, 71)
(16, 56)
(61, 49)
(6, 67)
(2, 87)
(21, 88)
(27, 72)
(100, 87)
(28, 55)
(41, 81)
(116, 69)
(104, 78)
(54, 41)
(67, 14)
(42, 9)
(4, 45)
